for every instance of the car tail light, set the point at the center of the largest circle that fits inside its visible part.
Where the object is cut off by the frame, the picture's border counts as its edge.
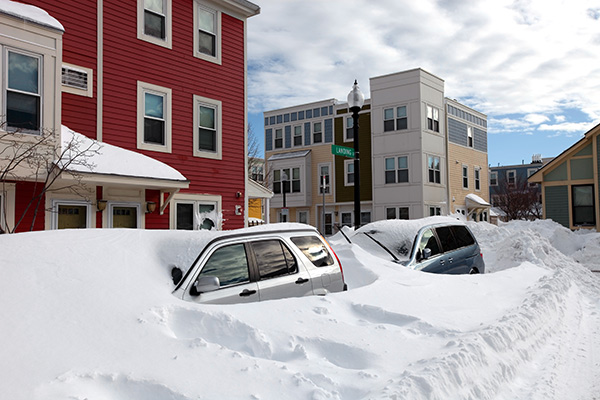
(336, 257)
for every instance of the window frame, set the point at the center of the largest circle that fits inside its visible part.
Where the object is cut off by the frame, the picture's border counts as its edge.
(276, 139)
(295, 136)
(195, 200)
(319, 132)
(575, 207)
(493, 178)
(397, 169)
(433, 119)
(437, 173)
(142, 89)
(218, 28)
(465, 176)
(531, 171)
(7, 206)
(141, 24)
(58, 202)
(347, 173)
(113, 204)
(217, 106)
(477, 178)
(514, 179)
(470, 139)
(299, 213)
(347, 138)
(6, 50)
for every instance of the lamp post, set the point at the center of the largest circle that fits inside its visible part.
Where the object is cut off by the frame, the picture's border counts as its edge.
(355, 102)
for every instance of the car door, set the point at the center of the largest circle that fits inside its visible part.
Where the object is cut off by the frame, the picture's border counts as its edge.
(228, 263)
(428, 240)
(452, 261)
(280, 273)
(468, 250)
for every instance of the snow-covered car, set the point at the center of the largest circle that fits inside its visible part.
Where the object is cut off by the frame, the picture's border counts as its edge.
(262, 263)
(434, 244)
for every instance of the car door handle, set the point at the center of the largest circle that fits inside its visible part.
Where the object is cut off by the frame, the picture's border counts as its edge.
(247, 292)
(450, 259)
(300, 281)
(442, 262)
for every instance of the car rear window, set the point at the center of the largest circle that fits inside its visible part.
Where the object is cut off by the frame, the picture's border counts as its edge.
(314, 249)
(446, 237)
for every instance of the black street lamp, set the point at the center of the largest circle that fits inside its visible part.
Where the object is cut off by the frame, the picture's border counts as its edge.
(355, 102)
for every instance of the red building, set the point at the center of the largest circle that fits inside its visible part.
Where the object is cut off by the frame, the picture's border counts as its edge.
(161, 78)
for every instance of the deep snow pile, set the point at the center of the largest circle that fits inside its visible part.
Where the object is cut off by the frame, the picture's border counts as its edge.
(89, 315)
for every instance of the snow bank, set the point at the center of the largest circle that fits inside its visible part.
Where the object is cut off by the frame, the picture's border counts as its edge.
(89, 314)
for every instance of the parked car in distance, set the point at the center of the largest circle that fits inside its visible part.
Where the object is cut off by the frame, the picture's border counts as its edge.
(435, 244)
(261, 263)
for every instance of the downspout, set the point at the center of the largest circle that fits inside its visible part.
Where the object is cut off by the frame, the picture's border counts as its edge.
(99, 69)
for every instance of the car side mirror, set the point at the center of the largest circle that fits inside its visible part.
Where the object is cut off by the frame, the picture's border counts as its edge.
(205, 284)
(176, 274)
(426, 253)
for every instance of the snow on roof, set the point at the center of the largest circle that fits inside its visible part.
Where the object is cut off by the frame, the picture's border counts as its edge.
(30, 13)
(293, 154)
(113, 160)
(478, 201)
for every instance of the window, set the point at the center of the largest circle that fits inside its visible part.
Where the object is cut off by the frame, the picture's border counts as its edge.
(397, 213)
(71, 214)
(314, 250)
(428, 241)
(511, 178)
(433, 119)
(477, 172)
(394, 119)
(196, 215)
(469, 136)
(531, 171)
(349, 129)
(207, 33)
(447, 239)
(435, 211)
(282, 178)
(124, 215)
(324, 174)
(348, 172)
(154, 22)
(328, 224)
(208, 130)
(77, 80)
(346, 219)
(493, 178)
(433, 166)
(465, 177)
(23, 92)
(278, 138)
(583, 205)
(365, 217)
(275, 259)
(317, 133)
(396, 169)
(298, 135)
(462, 235)
(154, 117)
(303, 217)
(229, 264)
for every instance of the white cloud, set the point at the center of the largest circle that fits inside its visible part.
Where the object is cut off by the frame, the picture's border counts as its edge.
(531, 58)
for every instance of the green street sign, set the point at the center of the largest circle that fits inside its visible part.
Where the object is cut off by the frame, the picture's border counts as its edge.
(342, 151)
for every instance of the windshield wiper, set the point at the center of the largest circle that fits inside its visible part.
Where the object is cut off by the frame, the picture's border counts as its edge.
(396, 259)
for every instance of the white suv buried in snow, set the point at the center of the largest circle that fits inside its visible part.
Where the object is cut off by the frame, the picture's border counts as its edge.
(263, 263)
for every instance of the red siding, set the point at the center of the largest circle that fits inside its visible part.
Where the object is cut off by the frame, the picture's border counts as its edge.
(25, 207)
(127, 59)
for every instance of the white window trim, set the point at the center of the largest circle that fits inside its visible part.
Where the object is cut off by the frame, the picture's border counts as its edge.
(168, 41)
(112, 205)
(57, 202)
(199, 198)
(217, 58)
(143, 87)
(298, 212)
(470, 137)
(7, 206)
(4, 80)
(346, 162)
(294, 136)
(89, 92)
(462, 176)
(514, 171)
(475, 169)
(217, 105)
(346, 138)
(328, 165)
(492, 173)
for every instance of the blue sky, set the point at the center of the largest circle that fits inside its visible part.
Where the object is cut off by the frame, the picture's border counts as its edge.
(532, 66)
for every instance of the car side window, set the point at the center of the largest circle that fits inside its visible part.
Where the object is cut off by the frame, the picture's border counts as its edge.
(463, 236)
(314, 250)
(428, 241)
(229, 264)
(447, 239)
(274, 259)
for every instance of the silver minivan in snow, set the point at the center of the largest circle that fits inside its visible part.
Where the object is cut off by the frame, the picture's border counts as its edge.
(262, 263)
(435, 244)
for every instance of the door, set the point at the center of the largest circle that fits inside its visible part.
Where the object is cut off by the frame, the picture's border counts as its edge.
(279, 272)
(453, 260)
(434, 262)
(230, 265)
